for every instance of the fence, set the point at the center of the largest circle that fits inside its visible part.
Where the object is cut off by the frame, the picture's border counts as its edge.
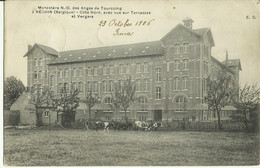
(227, 125)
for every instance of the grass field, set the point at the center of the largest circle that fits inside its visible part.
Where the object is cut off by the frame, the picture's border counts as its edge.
(128, 148)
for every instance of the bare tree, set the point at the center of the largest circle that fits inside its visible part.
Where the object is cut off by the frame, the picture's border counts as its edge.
(90, 100)
(124, 95)
(67, 101)
(39, 98)
(220, 91)
(247, 102)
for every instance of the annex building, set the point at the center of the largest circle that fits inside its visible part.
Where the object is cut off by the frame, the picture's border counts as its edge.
(170, 74)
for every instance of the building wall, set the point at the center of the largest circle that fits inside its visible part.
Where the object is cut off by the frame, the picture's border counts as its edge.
(197, 57)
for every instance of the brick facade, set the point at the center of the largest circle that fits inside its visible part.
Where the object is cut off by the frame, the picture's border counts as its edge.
(171, 72)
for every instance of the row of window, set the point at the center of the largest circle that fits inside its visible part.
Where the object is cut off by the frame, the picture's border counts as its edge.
(37, 62)
(40, 74)
(181, 48)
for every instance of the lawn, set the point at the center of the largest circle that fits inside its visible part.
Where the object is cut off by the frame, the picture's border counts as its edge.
(128, 148)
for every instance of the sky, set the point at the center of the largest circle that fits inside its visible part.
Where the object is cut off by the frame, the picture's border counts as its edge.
(231, 29)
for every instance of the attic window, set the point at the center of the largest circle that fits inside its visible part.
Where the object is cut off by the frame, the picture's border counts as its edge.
(114, 50)
(130, 49)
(65, 59)
(109, 54)
(70, 55)
(147, 47)
(143, 51)
(84, 53)
(94, 55)
(126, 52)
(79, 57)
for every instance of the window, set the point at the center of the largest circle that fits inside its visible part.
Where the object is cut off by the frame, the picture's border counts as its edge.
(35, 62)
(40, 62)
(177, 48)
(138, 85)
(35, 75)
(185, 64)
(104, 86)
(75, 86)
(108, 118)
(108, 100)
(181, 102)
(121, 69)
(95, 70)
(104, 69)
(111, 86)
(146, 64)
(176, 83)
(90, 72)
(66, 73)
(176, 65)
(89, 86)
(95, 86)
(128, 68)
(111, 69)
(52, 80)
(139, 67)
(121, 83)
(80, 72)
(146, 84)
(46, 74)
(39, 88)
(143, 100)
(60, 87)
(74, 72)
(167, 66)
(158, 74)
(181, 49)
(46, 113)
(80, 86)
(66, 87)
(184, 83)
(40, 75)
(142, 118)
(60, 73)
(108, 70)
(158, 95)
(185, 47)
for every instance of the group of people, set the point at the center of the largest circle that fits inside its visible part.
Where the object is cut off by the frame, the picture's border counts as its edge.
(126, 125)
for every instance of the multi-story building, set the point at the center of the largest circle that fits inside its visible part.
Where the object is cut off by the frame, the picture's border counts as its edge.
(170, 74)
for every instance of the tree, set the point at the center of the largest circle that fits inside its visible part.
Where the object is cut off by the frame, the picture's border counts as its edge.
(124, 95)
(13, 88)
(90, 100)
(247, 103)
(220, 90)
(38, 99)
(67, 102)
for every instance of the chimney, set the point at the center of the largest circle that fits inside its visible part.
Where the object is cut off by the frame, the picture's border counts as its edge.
(188, 22)
(29, 47)
(226, 58)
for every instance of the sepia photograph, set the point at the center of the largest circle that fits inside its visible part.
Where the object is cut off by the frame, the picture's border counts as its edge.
(131, 83)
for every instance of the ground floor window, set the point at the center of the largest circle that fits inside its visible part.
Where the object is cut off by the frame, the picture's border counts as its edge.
(46, 114)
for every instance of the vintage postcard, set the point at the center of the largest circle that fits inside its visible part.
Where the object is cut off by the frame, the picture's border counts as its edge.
(131, 83)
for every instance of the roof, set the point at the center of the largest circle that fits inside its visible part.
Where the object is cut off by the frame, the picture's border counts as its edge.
(48, 50)
(221, 64)
(199, 32)
(187, 19)
(44, 48)
(110, 52)
(233, 63)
